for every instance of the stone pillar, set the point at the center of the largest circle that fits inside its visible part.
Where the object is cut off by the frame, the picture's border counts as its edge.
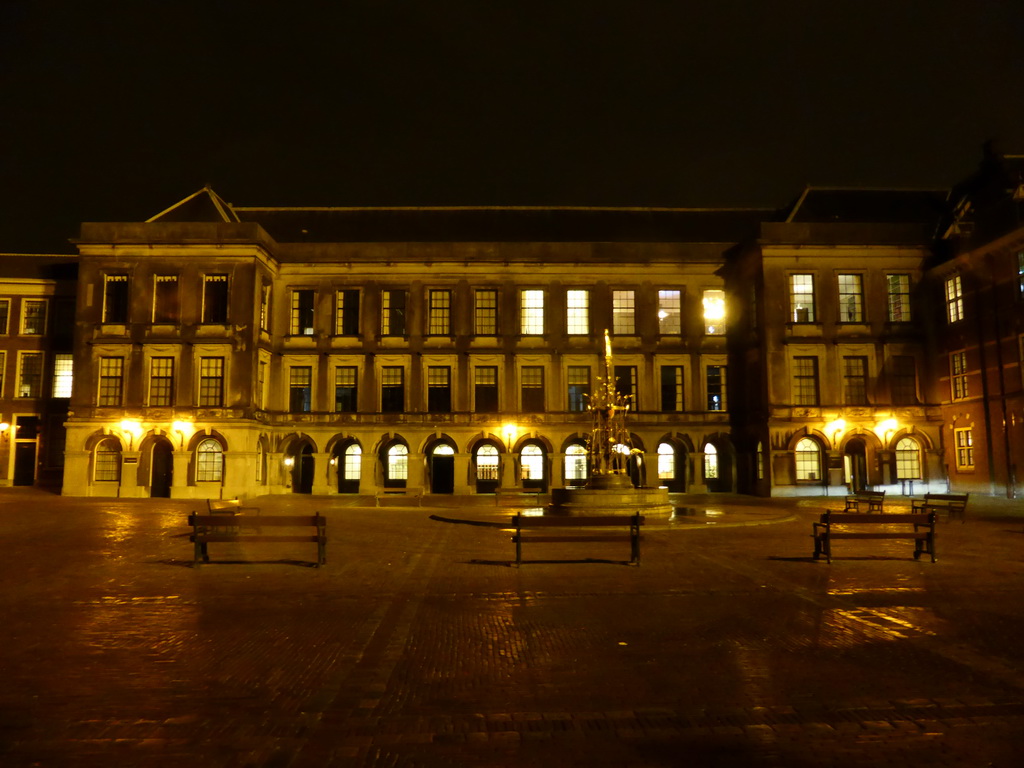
(371, 474)
(239, 474)
(417, 477)
(322, 475)
(76, 473)
(130, 488)
(508, 470)
(179, 477)
(463, 485)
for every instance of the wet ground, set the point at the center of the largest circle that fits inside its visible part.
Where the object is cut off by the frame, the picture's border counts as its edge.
(420, 644)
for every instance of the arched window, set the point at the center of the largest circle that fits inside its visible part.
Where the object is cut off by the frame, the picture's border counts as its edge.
(444, 450)
(261, 458)
(908, 459)
(353, 462)
(532, 460)
(760, 461)
(710, 462)
(107, 461)
(398, 462)
(666, 461)
(575, 463)
(487, 462)
(209, 461)
(808, 459)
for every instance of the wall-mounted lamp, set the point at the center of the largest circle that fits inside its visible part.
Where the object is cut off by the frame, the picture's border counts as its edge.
(886, 429)
(289, 461)
(835, 429)
(5, 430)
(510, 431)
(183, 428)
(131, 429)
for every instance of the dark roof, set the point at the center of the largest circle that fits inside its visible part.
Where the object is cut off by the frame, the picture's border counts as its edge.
(819, 205)
(33, 266)
(511, 224)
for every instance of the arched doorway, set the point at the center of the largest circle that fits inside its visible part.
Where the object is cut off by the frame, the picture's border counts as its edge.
(395, 462)
(575, 469)
(348, 458)
(672, 466)
(161, 469)
(487, 462)
(442, 469)
(533, 464)
(856, 464)
(302, 468)
(718, 467)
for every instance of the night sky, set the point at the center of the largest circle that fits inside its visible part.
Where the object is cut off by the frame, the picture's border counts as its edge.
(114, 110)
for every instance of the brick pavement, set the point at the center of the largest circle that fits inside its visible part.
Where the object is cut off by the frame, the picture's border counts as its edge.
(418, 645)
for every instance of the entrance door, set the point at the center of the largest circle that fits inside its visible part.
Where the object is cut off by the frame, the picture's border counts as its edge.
(856, 451)
(442, 470)
(302, 472)
(163, 470)
(25, 463)
(349, 468)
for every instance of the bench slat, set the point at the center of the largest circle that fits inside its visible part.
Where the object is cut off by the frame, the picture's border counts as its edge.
(865, 535)
(537, 521)
(220, 537)
(269, 520)
(555, 539)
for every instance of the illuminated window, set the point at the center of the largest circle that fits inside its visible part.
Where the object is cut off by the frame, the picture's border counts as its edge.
(300, 389)
(760, 461)
(440, 313)
(115, 299)
(211, 381)
(623, 313)
(392, 389)
(5, 311)
(669, 304)
(577, 313)
(898, 287)
(855, 380)
(485, 314)
(353, 462)
(161, 381)
(666, 461)
(215, 299)
(392, 319)
(303, 313)
(487, 463)
(346, 313)
(165, 299)
(851, 299)
(801, 299)
(111, 381)
(964, 439)
(485, 389)
(265, 307)
(710, 462)
(106, 466)
(908, 459)
(714, 312)
(716, 387)
(209, 461)
(398, 463)
(808, 460)
(532, 462)
(954, 299)
(439, 389)
(805, 380)
(533, 388)
(531, 313)
(345, 389)
(958, 374)
(578, 377)
(63, 374)
(33, 317)
(575, 463)
(671, 388)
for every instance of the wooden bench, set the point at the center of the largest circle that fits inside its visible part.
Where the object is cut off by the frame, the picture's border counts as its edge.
(415, 493)
(873, 499)
(852, 525)
(229, 507)
(953, 504)
(224, 528)
(629, 525)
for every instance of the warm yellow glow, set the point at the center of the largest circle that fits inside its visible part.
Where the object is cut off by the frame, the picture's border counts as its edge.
(132, 426)
(886, 428)
(510, 430)
(182, 426)
(714, 305)
(4, 426)
(836, 426)
(289, 461)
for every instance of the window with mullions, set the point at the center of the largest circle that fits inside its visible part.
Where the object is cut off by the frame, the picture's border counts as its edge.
(30, 377)
(958, 375)
(439, 322)
(439, 389)
(209, 461)
(801, 299)
(714, 312)
(111, 381)
(211, 382)
(671, 388)
(575, 464)
(485, 312)
(805, 380)
(106, 466)
(898, 289)
(398, 463)
(166, 306)
(303, 312)
(353, 462)
(485, 389)
(215, 299)
(345, 392)
(63, 374)
(533, 388)
(715, 385)
(908, 459)
(710, 462)
(808, 460)
(669, 313)
(903, 380)
(5, 311)
(577, 313)
(964, 439)
(300, 389)
(392, 389)
(578, 378)
(487, 463)
(623, 313)
(33, 317)
(626, 384)
(261, 384)
(531, 313)
(161, 381)
(954, 299)
(851, 299)
(115, 298)
(855, 380)
(265, 307)
(346, 313)
(392, 320)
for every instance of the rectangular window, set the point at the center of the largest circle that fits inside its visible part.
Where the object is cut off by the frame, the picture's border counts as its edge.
(265, 307)
(623, 313)
(577, 313)
(261, 385)
(33, 317)
(5, 311)
(211, 381)
(345, 389)
(485, 313)
(714, 312)
(107, 462)
(115, 298)
(165, 299)
(532, 313)
(958, 374)
(161, 381)
(954, 299)
(439, 389)
(215, 299)
(533, 388)
(855, 380)
(63, 375)
(392, 389)
(485, 389)
(578, 378)
(111, 380)
(716, 378)
(805, 380)
(671, 388)
(392, 320)
(904, 380)
(303, 312)
(440, 313)
(964, 448)
(801, 298)
(851, 299)
(626, 384)
(669, 313)
(898, 289)
(300, 389)
(346, 313)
